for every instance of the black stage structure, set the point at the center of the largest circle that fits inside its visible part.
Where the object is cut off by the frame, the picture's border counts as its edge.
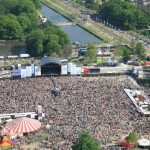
(50, 66)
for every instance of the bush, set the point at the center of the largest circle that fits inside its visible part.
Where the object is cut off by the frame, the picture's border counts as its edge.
(86, 142)
(132, 137)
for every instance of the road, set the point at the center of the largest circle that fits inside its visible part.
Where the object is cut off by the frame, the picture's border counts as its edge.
(119, 69)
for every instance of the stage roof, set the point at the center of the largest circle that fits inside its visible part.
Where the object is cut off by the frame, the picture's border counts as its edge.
(49, 60)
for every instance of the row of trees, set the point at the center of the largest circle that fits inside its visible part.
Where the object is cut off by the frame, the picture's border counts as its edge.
(92, 4)
(19, 20)
(121, 13)
(124, 14)
(138, 51)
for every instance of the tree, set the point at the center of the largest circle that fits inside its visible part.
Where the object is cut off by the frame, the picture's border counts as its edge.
(34, 43)
(34, 21)
(124, 14)
(91, 55)
(55, 41)
(6, 6)
(86, 142)
(140, 51)
(10, 28)
(24, 6)
(119, 53)
(126, 55)
(123, 53)
(133, 45)
(52, 47)
(37, 3)
(24, 21)
(100, 61)
(20, 16)
(132, 137)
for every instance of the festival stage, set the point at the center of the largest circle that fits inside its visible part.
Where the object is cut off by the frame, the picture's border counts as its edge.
(139, 100)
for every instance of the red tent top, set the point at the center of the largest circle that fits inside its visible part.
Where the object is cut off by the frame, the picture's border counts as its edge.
(4, 131)
(147, 63)
(127, 144)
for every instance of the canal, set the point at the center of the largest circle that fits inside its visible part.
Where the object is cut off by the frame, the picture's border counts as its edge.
(74, 32)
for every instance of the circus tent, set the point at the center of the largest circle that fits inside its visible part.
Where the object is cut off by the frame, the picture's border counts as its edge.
(23, 125)
(4, 131)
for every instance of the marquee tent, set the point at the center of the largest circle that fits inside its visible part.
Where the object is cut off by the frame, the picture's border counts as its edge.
(144, 143)
(23, 125)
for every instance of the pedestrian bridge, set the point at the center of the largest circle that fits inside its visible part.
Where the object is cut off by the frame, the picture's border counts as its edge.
(66, 24)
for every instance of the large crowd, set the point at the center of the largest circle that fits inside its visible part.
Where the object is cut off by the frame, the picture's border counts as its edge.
(97, 105)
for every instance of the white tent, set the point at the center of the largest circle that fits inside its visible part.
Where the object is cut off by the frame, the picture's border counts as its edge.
(144, 142)
(99, 52)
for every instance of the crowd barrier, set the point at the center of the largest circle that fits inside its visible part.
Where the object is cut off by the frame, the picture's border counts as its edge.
(16, 115)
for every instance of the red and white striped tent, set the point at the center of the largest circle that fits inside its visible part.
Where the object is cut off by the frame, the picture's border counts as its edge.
(23, 125)
(4, 131)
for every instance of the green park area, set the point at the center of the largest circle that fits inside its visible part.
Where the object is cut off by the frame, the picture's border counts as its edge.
(20, 21)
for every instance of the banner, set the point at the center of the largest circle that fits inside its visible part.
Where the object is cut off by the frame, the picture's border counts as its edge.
(37, 71)
(79, 70)
(16, 73)
(28, 71)
(73, 69)
(69, 65)
(23, 73)
(64, 69)
(32, 66)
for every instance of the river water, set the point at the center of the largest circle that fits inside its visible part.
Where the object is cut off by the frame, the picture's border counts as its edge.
(8, 48)
(75, 33)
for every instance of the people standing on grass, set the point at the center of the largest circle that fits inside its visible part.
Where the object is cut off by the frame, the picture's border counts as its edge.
(97, 105)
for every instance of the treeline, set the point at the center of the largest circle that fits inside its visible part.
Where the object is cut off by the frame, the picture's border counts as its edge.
(91, 4)
(19, 20)
(124, 15)
(124, 54)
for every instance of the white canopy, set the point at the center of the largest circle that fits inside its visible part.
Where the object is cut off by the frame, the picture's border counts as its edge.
(144, 142)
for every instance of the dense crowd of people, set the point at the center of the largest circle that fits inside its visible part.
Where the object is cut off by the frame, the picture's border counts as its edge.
(97, 105)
